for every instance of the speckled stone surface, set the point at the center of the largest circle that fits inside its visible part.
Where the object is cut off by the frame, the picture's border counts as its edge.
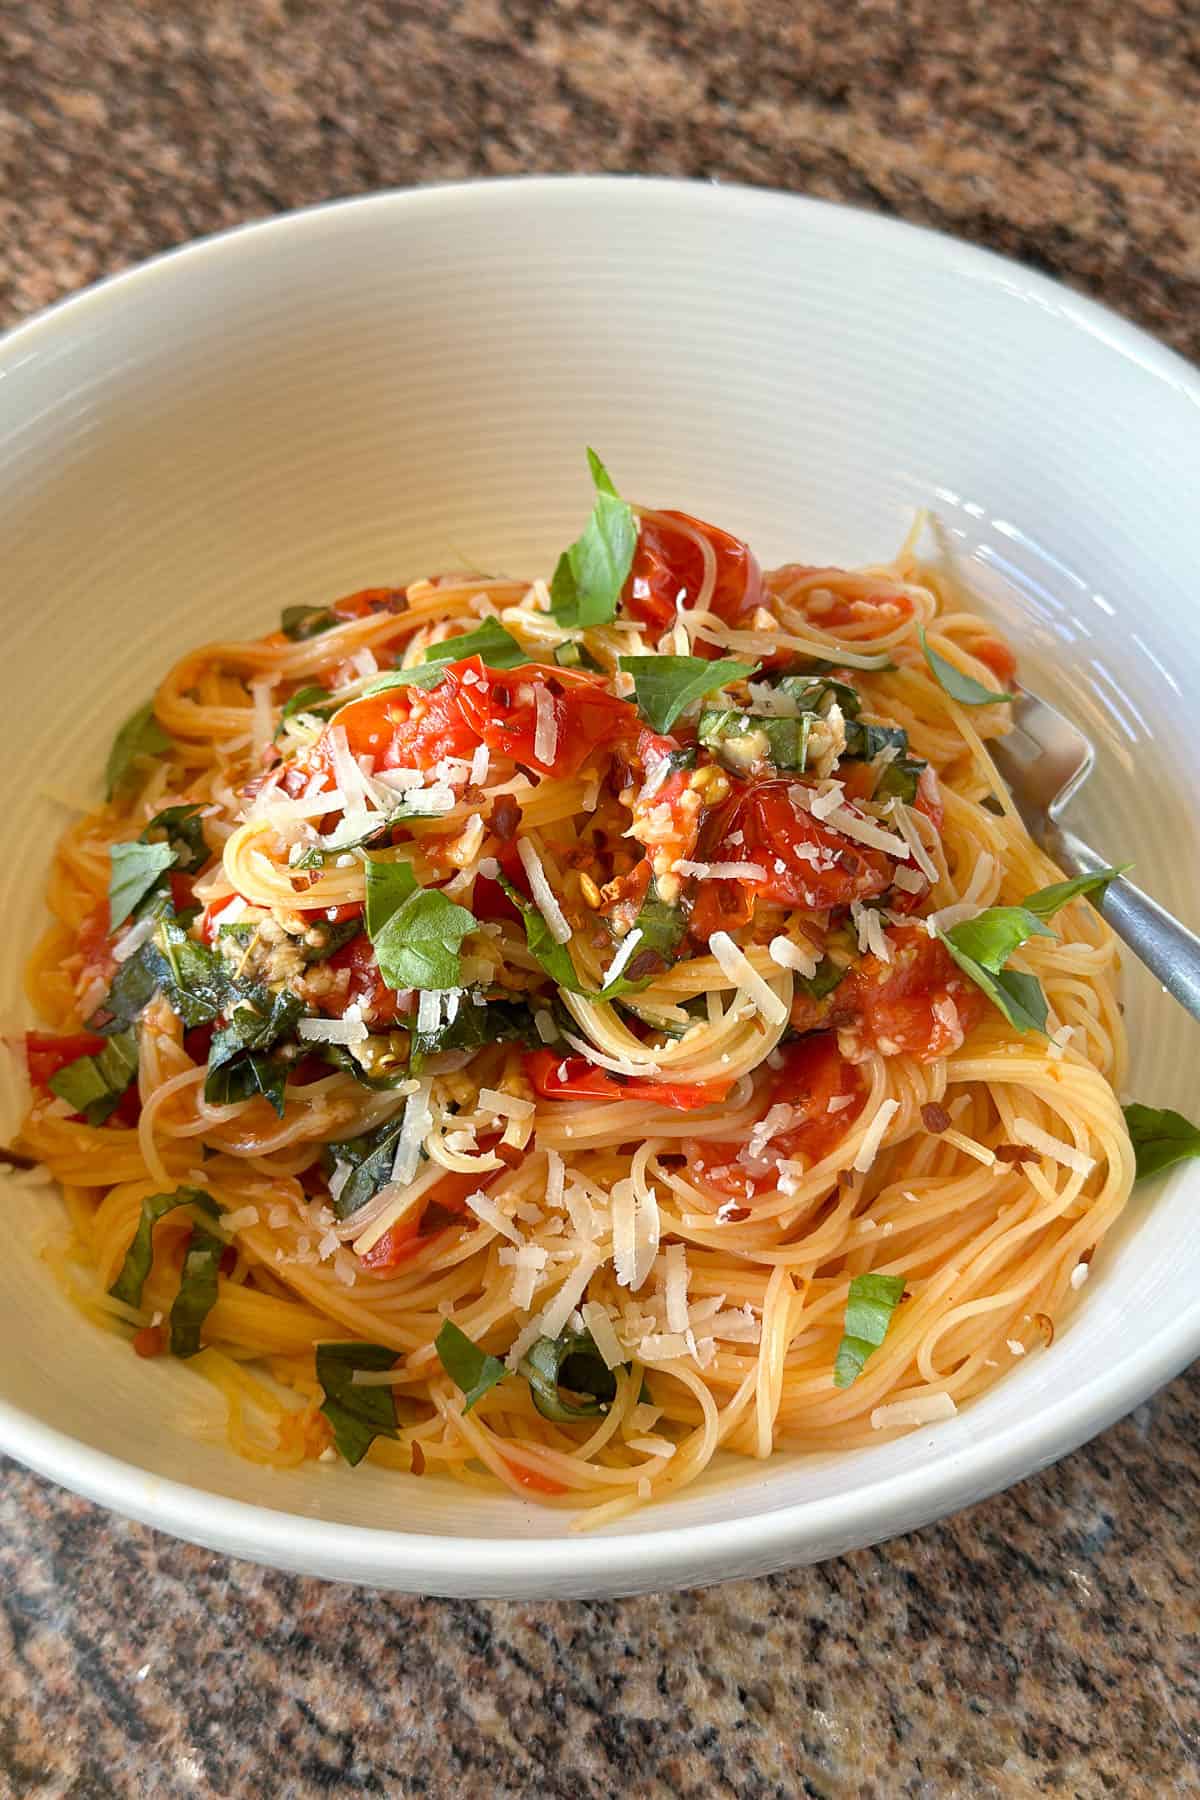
(1045, 1642)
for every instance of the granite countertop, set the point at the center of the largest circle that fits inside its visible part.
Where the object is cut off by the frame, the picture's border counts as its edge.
(1044, 1642)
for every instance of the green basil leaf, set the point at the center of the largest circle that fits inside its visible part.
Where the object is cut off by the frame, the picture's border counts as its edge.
(829, 975)
(301, 622)
(866, 741)
(468, 1367)
(256, 1020)
(424, 675)
(991, 937)
(95, 1085)
(183, 830)
(370, 1157)
(491, 643)
(1017, 995)
(731, 735)
(134, 985)
(475, 1023)
(665, 685)
(1160, 1137)
(358, 1415)
(317, 856)
(247, 1075)
(418, 946)
(963, 688)
(131, 1278)
(197, 980)
(136, 869)
(197, 1290)
(571, 1362)
(817, 693)
(572, 655)
(663, 926)
(140, 735)
(1047, 901)
(899, 779)
(590, 575)
(872, 1301)
(317, 701)
(389, 885)
(556, 959)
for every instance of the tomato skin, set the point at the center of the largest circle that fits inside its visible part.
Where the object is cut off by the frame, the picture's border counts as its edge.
(574, 1078)
(998, 657)
(813, 1073)
(534, 1479)
(882, 612)
(46, 1052)
(666, 560)
(502, 710)
(367, 986)
(367, 601)
(401, 1241)
(775, 833)
(895, 1001)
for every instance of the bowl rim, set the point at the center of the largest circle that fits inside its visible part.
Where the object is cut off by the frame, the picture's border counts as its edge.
(630, 1559)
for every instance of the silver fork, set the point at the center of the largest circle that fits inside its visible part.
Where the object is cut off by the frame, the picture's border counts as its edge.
(1045, 760)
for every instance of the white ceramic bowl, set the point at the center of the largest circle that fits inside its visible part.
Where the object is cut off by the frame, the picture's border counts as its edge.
(368, 391)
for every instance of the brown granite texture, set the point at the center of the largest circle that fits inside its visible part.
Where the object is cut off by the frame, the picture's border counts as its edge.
(1042, 1643)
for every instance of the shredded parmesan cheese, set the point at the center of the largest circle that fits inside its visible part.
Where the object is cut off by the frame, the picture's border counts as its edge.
(543, 897)
(875, 1133)
(1026, 1132)
(922, 1409)
(737, 968)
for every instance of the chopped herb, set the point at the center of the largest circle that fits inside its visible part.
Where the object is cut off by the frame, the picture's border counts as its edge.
(817, 694)
(568, 1378)
(872, 1301)
(468, 1367)
(183, 829)
(556, 958)
(667, 685)
(491, 643)
(95, 1085)
(590, 575)
(389, 885)
(1160, 1138)
(829, 975)
(246, 1076)
(140, 735)
(301, 622)
(863, 742)
(728, 733)
(316, 701)
(358, 1415)
(136, 871)
(370, 1158)
(424, 675)
(963, 688)
(256, 1020)
(662, 926)
(573, 655)
(198, 1288)
(900, 779)
(476, 1023)
(317, 856)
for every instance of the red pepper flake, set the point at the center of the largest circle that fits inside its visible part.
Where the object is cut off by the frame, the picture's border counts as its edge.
(1014, 1153)
(151, 1340)
(733, 1215)
(505, 817)
(935, 1118)
(418, 1459)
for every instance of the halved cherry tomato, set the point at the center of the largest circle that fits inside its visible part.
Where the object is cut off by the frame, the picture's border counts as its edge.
(46, 1052)
(998, 657)
(807, 863)
(407, 728)
(385, 1005)
(402, 1240)
(812, 1075)
(835, 612)
(503, 711)
(668, 560)
(574, 1078)
(896, 1001)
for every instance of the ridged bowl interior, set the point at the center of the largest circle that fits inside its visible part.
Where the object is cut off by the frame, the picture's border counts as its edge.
(396, 386)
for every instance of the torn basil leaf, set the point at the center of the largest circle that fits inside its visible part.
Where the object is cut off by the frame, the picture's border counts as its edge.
(370, 1158)
(555, 958)
(568, 1378)
(829, 975)
(95, 1085)
(1047, 901)
(491, 643)
(474, 1023)
(1160, 1137)
(590, 575)
(963, 688)
(872, 1301)
(358, 1415)
(817, 693)
(389, 885)
(136, 870)
(982, 946)
(198, 1286)
(182, 828)
(256, 1020)
(468, 1367)
(140, 735)
(864, 742)
(301, 622)
(418, 945)
(740, 740)
(318, 702)
(900, 779)
(667, 685)
(246, 1076)
(662, 925)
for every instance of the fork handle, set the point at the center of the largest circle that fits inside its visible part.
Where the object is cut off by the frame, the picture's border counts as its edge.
(1169, 950)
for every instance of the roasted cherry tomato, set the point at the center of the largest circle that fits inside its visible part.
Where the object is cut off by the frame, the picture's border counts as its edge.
(920, 1004)
(812, 1077)
(668, 561)
(836, 613)
(807, 863)
(574, 1078)
(384, 1005)
(402, 1240)
(503, 710)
